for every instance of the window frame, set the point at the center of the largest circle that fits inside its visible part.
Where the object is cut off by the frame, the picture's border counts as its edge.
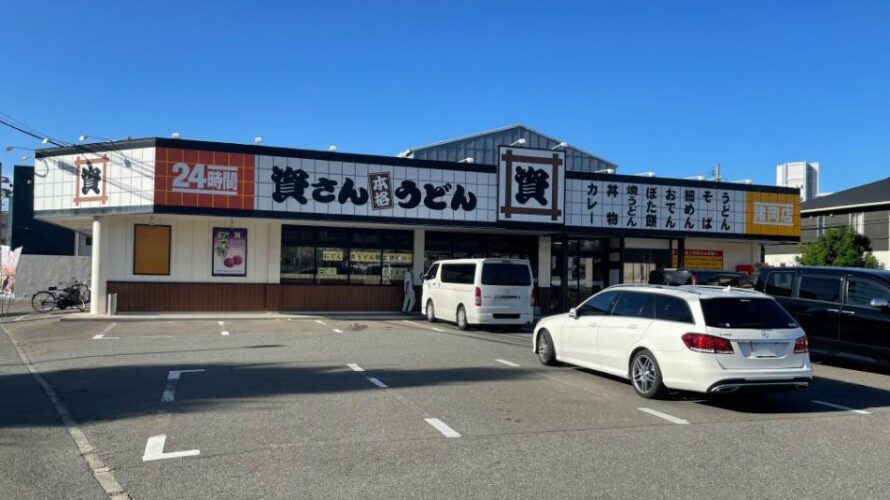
(579, 309)
(846, 296)
(678, 299)
(841, 287)
(169, 249)
(769, 276)
(647, 296)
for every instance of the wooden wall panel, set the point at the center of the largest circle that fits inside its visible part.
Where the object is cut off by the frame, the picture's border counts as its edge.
(209, 297)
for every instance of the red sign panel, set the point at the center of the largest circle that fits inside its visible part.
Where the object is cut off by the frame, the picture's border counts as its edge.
(207, 179)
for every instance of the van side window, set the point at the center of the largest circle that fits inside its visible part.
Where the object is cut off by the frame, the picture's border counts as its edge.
(779, 284)
(634, 305)
(826, 288)
(459, 273)
(598, 305)
(431, 273)
(860, 292)
(669, 308)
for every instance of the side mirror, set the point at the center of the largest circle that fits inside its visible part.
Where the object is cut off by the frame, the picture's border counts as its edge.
(880, 303)
(573, 313)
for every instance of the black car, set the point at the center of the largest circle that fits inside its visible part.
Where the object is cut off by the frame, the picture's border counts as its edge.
(677, 277)
(844, 311)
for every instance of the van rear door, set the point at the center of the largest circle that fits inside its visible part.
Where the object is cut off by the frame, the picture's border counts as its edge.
(506, 285)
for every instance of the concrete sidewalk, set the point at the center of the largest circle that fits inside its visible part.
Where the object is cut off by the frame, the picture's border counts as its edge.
(219, 316)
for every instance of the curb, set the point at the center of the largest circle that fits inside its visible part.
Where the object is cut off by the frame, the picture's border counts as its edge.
(125, 318)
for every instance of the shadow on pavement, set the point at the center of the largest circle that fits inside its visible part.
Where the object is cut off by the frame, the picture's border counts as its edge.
(109, 393)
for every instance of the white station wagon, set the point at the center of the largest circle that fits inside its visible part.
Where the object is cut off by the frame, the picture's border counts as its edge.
(696, 338)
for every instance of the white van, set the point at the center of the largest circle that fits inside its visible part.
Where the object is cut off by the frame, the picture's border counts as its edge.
(479, 291)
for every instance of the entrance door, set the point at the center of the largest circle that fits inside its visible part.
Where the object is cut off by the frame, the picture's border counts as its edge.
(638, 263)
(586, 271)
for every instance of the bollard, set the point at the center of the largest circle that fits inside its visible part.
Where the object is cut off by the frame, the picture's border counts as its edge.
(112, 304)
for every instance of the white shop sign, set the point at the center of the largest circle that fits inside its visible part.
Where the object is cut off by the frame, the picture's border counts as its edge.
(531, 185)
(307, 186)
(655, 207)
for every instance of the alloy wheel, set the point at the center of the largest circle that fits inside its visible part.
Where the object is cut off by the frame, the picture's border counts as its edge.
(643, 373)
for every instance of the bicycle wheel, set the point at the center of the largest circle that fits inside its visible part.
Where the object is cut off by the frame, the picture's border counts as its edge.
(43, 302)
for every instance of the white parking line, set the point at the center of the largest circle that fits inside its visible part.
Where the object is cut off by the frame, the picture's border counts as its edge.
(438, 329)
(320, 322)
(224, 333)
(442, 427)
(220, 323)
(169, 394)
(669, 418)
(101, 336)
(338, 330)
(354, 367)
(376, 381)
(154, 450)
(840, 407)
(154, 447)
(508, 363)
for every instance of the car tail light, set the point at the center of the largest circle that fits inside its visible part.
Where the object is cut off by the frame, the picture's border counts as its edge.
(699, 342)
(478, 296)
(801, 345)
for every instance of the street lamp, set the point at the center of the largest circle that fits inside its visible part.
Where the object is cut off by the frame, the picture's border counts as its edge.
(646, 174)
(562, 144)
(743, 181)
(519, 142)
(468, 159)
(605, 171)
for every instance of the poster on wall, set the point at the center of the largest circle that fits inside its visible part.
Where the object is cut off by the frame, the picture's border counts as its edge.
(700, 259)
(229, 251)
(10, 263)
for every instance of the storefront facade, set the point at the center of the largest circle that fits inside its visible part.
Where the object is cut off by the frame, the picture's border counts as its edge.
(181, 225)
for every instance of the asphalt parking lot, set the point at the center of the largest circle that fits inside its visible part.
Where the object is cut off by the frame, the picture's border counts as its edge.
(352, 408)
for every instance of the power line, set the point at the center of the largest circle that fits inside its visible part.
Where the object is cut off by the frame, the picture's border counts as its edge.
(47, 139)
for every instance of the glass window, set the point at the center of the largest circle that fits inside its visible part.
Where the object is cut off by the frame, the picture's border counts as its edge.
(634, 305)
(298, 264)
(431, 272)
(459, 273)
(860, 292)
(333, 268)
(504, 274)
(395, 264)
(151, 249)
(364, 267)
(779, 284)
(598, 305)
(827, 288)
(669, 308)
(746, 313)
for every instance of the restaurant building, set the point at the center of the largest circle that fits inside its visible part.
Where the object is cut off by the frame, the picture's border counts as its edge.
(184, 225)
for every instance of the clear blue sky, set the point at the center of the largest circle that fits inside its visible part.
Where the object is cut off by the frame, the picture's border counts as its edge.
(671, 86)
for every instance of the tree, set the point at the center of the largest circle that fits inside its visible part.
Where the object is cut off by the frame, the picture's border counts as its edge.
(840, 246)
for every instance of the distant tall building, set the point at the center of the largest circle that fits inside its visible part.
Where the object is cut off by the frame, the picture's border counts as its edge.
(800, 174)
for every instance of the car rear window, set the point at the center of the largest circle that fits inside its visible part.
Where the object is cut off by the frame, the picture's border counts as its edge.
(739, 312)
(504, 274)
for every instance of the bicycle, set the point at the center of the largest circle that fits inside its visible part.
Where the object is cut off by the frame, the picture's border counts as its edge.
(75, 294)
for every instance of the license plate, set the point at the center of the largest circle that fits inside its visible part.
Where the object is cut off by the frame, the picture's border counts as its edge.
(764, 349)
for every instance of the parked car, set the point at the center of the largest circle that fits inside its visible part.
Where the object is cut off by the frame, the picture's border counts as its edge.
(845, 311)
(479, 291)
(675, 277)
(698, 338)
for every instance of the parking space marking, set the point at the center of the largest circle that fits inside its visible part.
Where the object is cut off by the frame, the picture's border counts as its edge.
(154, 450)
(354, 367)
(320, 322)
(669, 418)
(840, 407)
(220, 323)
(101, 335)
(376, 381)
(442, 427)
(337, 330)
(101, 473)
(508, 363)
(224, 333)
(438, 329)
(154, 447)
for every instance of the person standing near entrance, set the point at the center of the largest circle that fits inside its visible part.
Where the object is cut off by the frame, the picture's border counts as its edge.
(408, 288)
(656, 276)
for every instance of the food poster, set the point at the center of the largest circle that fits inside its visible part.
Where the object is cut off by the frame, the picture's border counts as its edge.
(229, 252)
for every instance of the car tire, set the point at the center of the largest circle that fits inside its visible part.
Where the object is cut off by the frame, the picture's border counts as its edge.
(645, 375)
(545, 350)
(430, 312)
(461, 318)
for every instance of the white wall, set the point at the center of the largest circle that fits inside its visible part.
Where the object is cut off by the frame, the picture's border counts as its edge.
(191, 252)
(37, 272)
(788, 259)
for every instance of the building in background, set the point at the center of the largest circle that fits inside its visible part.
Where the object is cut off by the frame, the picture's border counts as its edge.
(865, 208)
(184, 225)
(37, 237)
(803, 175)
